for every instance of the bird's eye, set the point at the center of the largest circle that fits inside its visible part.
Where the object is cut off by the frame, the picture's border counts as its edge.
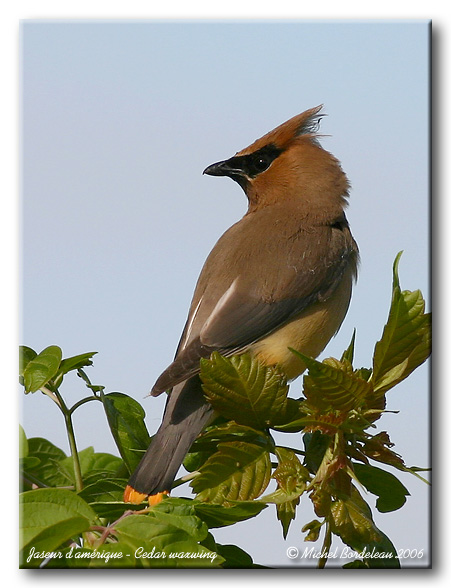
(257, 162)
(260, 163)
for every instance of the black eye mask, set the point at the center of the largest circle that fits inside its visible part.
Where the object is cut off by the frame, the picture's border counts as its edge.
(255, 163)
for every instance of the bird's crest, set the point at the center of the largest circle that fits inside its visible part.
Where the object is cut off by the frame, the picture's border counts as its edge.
(305, 124)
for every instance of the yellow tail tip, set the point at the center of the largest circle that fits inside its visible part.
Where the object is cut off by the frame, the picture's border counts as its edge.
(157, 498)
(134, 497)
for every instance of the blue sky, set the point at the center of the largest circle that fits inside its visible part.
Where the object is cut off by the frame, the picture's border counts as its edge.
(118, 121)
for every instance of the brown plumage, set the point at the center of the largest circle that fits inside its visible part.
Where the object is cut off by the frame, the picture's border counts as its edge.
(280, 277)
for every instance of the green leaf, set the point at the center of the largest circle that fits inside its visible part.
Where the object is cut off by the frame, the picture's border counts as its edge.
(391, 492)
(290, 474)
(23, 443)
(230, 431)
(348, 354)
(26, 354)
(237, 471)
(378, 446)
(93, 466)
(182, 516)
(194, 460)
(352, 521)
(364, 373)
(218, 515)
(170, 539)
(286, 513)
(48, 518)
(73, 363)
(126, 420)
(207, 443)
(292, 478)
(235, 557)
(95, 389)
(47, 470)
(333, 385)
(105, 497)
(42, 368)
(312, 529)
(245, 390)
(356, 564)
(26, 463)
(316, 445)
(406, 339)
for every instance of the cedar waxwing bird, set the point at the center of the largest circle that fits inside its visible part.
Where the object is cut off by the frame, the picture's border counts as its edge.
(279, 278)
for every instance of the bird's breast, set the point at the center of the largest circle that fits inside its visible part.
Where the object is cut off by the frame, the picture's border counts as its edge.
(308, 333)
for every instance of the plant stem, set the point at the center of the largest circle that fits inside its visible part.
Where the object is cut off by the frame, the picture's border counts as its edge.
(326, 548)
(83, 401)
(74, 452)
(185, 478)
(51, 395)
(30, 479)
(72, 444)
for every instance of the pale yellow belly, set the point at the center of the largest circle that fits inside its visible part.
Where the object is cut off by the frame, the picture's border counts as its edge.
(309, 333)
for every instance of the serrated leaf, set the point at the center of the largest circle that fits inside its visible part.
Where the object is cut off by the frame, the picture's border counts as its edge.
(286, 513)
(237, 471)
(244, 390)
(333, 385)
(194, 460)
(42, 368)
(378, 446)
(208, 441)
(218, 515)
(49, 517)
(312, 529)
(292, 478)
(406, 338)
(290, 474)
(126, 420)
(364, 373)
(316, 444)
(348, 354)
(351, 520)
(390, 491)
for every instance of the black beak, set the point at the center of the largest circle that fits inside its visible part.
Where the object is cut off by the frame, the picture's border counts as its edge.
(233, 168)
(223, 168)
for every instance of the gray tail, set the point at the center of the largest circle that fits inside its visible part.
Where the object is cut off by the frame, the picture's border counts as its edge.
(186, 414)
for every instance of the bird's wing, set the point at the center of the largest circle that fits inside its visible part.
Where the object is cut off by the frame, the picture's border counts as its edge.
(253, 306)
